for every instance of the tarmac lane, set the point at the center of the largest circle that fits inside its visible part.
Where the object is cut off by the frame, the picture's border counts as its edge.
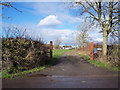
(62, 82)
(69, 72)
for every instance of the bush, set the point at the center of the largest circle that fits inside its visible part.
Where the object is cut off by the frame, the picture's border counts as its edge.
(22, 54)
(113, 54)
(57, 46)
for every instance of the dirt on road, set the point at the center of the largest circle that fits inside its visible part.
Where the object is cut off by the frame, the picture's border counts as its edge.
(70, 71)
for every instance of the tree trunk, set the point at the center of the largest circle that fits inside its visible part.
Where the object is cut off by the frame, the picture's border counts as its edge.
(105, 42)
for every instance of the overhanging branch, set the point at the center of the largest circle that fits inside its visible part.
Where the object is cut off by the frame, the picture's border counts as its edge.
(115, 23)
(88, 11)
(92, 6)
(9, 5)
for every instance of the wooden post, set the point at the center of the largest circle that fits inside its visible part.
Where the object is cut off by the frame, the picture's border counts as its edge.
(91, 51)
(99, 53)
(51, 49)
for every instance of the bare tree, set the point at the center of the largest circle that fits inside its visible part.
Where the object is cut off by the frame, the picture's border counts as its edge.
(105, 13)
(57, 43)
(82, 36)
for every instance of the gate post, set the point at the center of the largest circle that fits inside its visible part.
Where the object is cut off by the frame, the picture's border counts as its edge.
(91, 51)
(51, 49)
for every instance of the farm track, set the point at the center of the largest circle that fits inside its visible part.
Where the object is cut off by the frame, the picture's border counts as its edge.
(70, 71)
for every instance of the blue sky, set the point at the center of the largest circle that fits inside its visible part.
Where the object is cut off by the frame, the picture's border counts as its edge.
(48, 20)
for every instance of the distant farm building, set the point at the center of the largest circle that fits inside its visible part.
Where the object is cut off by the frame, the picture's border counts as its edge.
(67, 47)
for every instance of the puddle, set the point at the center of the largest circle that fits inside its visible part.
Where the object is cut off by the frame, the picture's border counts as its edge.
(44, 75)
(54, 76)
(39, 75)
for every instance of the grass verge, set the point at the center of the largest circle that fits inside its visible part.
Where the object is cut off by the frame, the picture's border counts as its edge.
(4, 74)
(99, 64)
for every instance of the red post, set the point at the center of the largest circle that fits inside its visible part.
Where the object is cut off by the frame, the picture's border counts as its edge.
(51, 49)
(91, 51)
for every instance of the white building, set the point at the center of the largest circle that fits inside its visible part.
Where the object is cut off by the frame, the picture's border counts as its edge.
(67, 47)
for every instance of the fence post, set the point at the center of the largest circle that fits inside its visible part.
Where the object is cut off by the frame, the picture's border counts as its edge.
(51, 49)
(91, 51)
(99, 53)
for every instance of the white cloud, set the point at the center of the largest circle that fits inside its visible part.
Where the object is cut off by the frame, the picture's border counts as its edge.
(47, 34)
(59, 9)
(49, 21)
(98, 39)
(70, 19)
(66, 35)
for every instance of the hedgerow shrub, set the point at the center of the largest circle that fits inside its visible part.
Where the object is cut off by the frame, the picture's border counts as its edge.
(20, 54)
(113, 55)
